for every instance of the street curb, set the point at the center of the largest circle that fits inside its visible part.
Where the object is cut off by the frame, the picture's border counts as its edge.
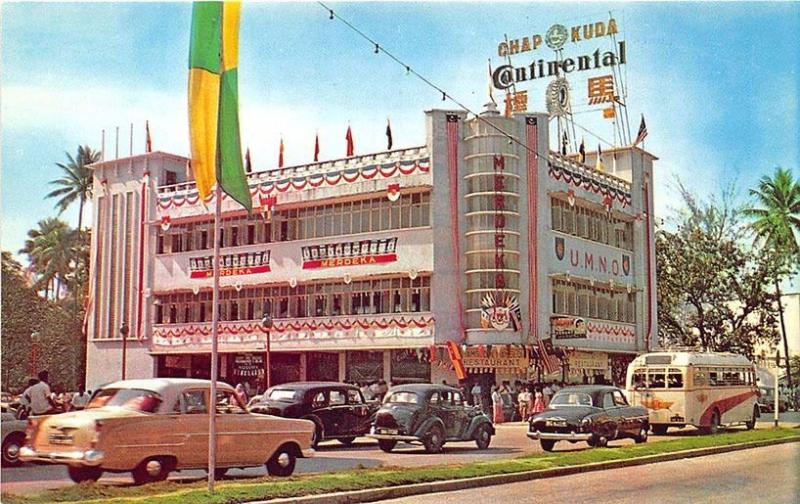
(376, 494)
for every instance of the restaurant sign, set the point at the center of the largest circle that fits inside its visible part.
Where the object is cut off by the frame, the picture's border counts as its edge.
(360, 253)
(496, 357)
(588, 360)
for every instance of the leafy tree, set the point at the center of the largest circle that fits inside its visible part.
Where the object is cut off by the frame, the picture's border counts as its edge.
(76, 182)
(776, 223)
(711, 287)
(59, 343)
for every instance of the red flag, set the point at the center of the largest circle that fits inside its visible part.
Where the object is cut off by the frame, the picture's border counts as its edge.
(148, 146)
(280, 155)
(316, 149)
(349, 138)
(248, 165)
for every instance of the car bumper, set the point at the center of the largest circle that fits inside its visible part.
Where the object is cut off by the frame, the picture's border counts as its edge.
(75, 457)
(397, 437)
(558, 436)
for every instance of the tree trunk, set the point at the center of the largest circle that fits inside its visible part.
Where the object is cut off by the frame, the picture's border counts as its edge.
(785, 341)
(80, 215)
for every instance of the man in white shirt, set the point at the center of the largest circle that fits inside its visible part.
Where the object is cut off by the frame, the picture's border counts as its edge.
(476, 392)
(39, 396)
(80, 399)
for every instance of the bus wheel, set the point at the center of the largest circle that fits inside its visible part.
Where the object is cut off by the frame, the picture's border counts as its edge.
(750, 424)
(659, 430)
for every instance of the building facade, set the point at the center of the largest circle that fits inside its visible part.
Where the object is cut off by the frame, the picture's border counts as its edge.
(371, 265)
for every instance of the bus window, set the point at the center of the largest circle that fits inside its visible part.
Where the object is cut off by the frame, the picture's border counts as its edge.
(714, 379)
(656, 378)
(638, 381)
(674, 379)
(700, 377)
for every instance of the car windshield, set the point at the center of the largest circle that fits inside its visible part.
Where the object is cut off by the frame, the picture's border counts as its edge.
(281, 395)
(571, 399)
(403, 397)
(145, 401)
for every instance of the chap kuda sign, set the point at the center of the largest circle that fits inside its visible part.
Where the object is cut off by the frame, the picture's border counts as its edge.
(359, 253)
(556, 37)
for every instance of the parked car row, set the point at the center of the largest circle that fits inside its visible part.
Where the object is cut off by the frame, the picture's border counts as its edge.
(153, 427)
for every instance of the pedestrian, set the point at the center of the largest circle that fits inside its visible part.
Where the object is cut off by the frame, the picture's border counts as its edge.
(476, 395)
(524, 400)
(538, 401)
(80, 400)
(382, 389)
(497, 405)
(366, 392)
(39, 396)
(548, 392)
(241, 393)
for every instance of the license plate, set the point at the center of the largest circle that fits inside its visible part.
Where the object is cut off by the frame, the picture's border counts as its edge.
(556, 423)
(389, 431)
(62, 439)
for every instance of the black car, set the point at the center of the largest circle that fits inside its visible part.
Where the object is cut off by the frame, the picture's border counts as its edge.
(596, 414)
(431, 415)
(338, 410)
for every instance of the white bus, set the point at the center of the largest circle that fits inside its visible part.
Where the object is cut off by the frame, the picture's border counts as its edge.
(702, 389)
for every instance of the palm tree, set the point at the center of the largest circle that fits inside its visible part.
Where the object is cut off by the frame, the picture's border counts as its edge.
(50, 251)
(76, 183)
(776, 224)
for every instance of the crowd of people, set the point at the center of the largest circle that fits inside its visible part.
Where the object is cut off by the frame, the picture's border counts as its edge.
(508, 402)
(39, 399)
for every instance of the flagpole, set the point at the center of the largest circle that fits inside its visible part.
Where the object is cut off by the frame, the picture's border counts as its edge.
(212, 417)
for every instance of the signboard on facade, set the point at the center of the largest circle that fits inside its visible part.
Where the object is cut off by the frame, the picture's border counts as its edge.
(588, 360)
(231, 264)
(248, 364)
(580, 255)
(498, 357)
(568, 327)
(360, 253)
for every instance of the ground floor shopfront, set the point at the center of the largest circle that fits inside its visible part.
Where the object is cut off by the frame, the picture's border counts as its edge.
(485, 364)
(359, 366)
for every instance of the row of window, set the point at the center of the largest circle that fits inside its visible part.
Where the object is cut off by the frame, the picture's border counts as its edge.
(389, 295)
(591, 224)
(320, 221)
(672, 378)
(570, 298)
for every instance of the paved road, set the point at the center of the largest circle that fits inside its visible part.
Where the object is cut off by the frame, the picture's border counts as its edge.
(331, 456)
(767, 475)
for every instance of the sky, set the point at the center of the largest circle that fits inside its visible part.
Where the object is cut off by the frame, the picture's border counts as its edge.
(717, 83)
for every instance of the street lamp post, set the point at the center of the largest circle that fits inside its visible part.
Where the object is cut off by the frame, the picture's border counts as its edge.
(267, 323)
(123, 331)
(34, 340)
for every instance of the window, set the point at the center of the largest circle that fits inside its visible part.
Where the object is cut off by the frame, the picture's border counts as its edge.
(435, 399)
(700, 377)
(336, 398)
(656, 378)
(608, 400)
(194, 402)
(354, 397)
(674, 379)
(619, 399)
(457, 399)
(591, 224)
(319, 400)
(638, 380)
(572, 298)
(228, 404)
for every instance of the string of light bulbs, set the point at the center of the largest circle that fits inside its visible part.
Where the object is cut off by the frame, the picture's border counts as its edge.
(379, 48)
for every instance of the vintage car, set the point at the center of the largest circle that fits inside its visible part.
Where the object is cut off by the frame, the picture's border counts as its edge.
(13, 438)
(431, 415)
(596, 414)
(338, 410)
(154, 426)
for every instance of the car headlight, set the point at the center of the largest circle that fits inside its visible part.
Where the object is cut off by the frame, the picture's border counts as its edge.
(585, 423)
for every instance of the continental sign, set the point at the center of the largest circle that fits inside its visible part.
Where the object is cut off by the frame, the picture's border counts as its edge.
(360, 253)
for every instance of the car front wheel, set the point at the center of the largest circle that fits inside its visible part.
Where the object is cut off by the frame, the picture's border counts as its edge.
(387, 445)
(547, 444)
(80, 474)
(483, 437)
(282, 462)
(434, 439)
(11, 447)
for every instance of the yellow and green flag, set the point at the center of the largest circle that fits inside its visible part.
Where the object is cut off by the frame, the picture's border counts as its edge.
(214, 101)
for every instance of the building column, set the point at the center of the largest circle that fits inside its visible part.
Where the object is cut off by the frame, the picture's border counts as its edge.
(342, 364)
(303, 366)
(387, 366)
